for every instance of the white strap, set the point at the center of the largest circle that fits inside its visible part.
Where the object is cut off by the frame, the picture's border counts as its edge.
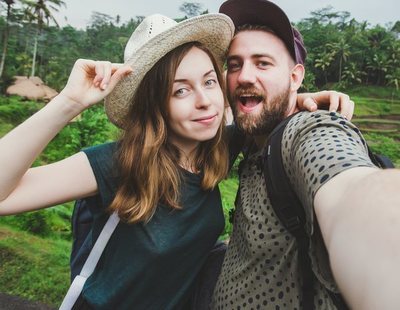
(77, 285)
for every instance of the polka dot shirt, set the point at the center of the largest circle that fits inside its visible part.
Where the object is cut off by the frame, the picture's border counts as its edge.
(260, 270)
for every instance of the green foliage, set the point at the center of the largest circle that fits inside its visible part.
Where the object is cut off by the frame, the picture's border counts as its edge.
(13, 110)
(90, 128)
(50, 223)
(342, 50)
(95, 128)
(191, 8)
(228, 190)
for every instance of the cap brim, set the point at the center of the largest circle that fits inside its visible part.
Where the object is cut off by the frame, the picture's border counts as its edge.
(215, 31)
(261, 12)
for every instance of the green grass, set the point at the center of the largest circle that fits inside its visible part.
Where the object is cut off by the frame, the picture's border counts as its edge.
(374, 92)
(368, 106)
(384, 144)
(32, 267)
(376, 121)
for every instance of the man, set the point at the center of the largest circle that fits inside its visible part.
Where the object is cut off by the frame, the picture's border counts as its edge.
(352, 208)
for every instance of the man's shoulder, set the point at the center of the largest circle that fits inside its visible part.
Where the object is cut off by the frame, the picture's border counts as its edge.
(305, 118)
(320, 122)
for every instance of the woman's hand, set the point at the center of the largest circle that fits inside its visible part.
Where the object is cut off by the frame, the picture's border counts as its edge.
(90, 81)
(337, 102)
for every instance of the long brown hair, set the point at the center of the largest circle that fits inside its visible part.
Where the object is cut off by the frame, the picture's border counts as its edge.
(148, 162)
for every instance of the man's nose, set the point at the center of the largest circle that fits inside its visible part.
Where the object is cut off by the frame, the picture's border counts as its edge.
(246, 75)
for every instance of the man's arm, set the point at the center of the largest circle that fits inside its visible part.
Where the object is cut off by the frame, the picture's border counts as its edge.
(359, 215)
(327, 99)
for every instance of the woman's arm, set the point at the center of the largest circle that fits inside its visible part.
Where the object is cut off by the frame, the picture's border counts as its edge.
(89, 82)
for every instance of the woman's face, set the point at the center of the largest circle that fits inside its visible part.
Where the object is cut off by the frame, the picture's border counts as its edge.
(196, 105)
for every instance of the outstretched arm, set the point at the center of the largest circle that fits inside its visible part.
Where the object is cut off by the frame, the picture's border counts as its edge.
(359, 215)
(326, 99)
(89, 82)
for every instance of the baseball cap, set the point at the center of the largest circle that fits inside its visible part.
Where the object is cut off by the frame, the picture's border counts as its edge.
(263, 12)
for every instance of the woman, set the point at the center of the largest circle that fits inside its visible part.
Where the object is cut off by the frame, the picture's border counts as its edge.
(160, 178)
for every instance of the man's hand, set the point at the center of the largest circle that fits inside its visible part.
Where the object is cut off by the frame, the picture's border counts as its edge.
(337, 102)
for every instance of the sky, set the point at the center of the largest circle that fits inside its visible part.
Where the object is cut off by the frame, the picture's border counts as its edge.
(78, 12)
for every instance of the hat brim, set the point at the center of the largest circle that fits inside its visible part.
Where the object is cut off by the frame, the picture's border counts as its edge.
(261, 12)
(214, 31)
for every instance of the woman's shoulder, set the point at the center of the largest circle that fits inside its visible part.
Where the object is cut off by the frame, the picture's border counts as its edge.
(109, 147)
(102, 156)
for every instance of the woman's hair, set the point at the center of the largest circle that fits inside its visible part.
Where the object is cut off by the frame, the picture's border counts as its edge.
(148, 162)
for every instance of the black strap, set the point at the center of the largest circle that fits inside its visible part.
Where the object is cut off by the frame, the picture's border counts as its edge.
(380, 160)
(338, 300)
(288, 208)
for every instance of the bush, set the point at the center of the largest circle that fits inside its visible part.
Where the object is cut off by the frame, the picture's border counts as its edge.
(36, 222)
(14, 110)
(51, 223)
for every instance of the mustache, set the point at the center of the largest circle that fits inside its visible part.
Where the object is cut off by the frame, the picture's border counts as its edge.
(248, 91)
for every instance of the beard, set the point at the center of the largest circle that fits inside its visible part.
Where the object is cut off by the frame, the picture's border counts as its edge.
(272, 113)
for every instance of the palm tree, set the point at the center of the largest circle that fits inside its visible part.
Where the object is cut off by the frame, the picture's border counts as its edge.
(378, 64)
(352, 74)
(342, 50)
(39, 12)
(5, 35)
(324, 61)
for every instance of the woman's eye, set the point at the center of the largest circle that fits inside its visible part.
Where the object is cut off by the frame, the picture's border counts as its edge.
(211, 82)
(180, 92)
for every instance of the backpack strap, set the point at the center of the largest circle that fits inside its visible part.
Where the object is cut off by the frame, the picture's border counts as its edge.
(288, 207)
(77, 285)
(380, 160)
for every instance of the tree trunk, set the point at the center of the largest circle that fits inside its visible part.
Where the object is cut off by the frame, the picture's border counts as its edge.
(34, 53)
(4, 53)
(340, 69)
(5, 42)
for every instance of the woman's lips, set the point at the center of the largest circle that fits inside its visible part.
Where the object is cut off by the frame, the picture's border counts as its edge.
(206, 119)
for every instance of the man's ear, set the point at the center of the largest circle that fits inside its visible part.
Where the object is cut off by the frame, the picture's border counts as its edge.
(297, 77)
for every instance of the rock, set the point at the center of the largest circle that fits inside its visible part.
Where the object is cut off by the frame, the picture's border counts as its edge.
(8, 302)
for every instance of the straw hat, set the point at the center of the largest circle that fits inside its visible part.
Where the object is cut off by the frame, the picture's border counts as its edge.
(152, 39)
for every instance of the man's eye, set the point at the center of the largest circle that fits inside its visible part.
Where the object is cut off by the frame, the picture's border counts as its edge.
(263, 64)
(233, 66)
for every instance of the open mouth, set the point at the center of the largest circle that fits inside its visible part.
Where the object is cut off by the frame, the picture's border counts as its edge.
(250, 101)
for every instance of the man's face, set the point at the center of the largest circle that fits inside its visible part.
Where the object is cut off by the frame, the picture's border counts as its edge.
(259, 78)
